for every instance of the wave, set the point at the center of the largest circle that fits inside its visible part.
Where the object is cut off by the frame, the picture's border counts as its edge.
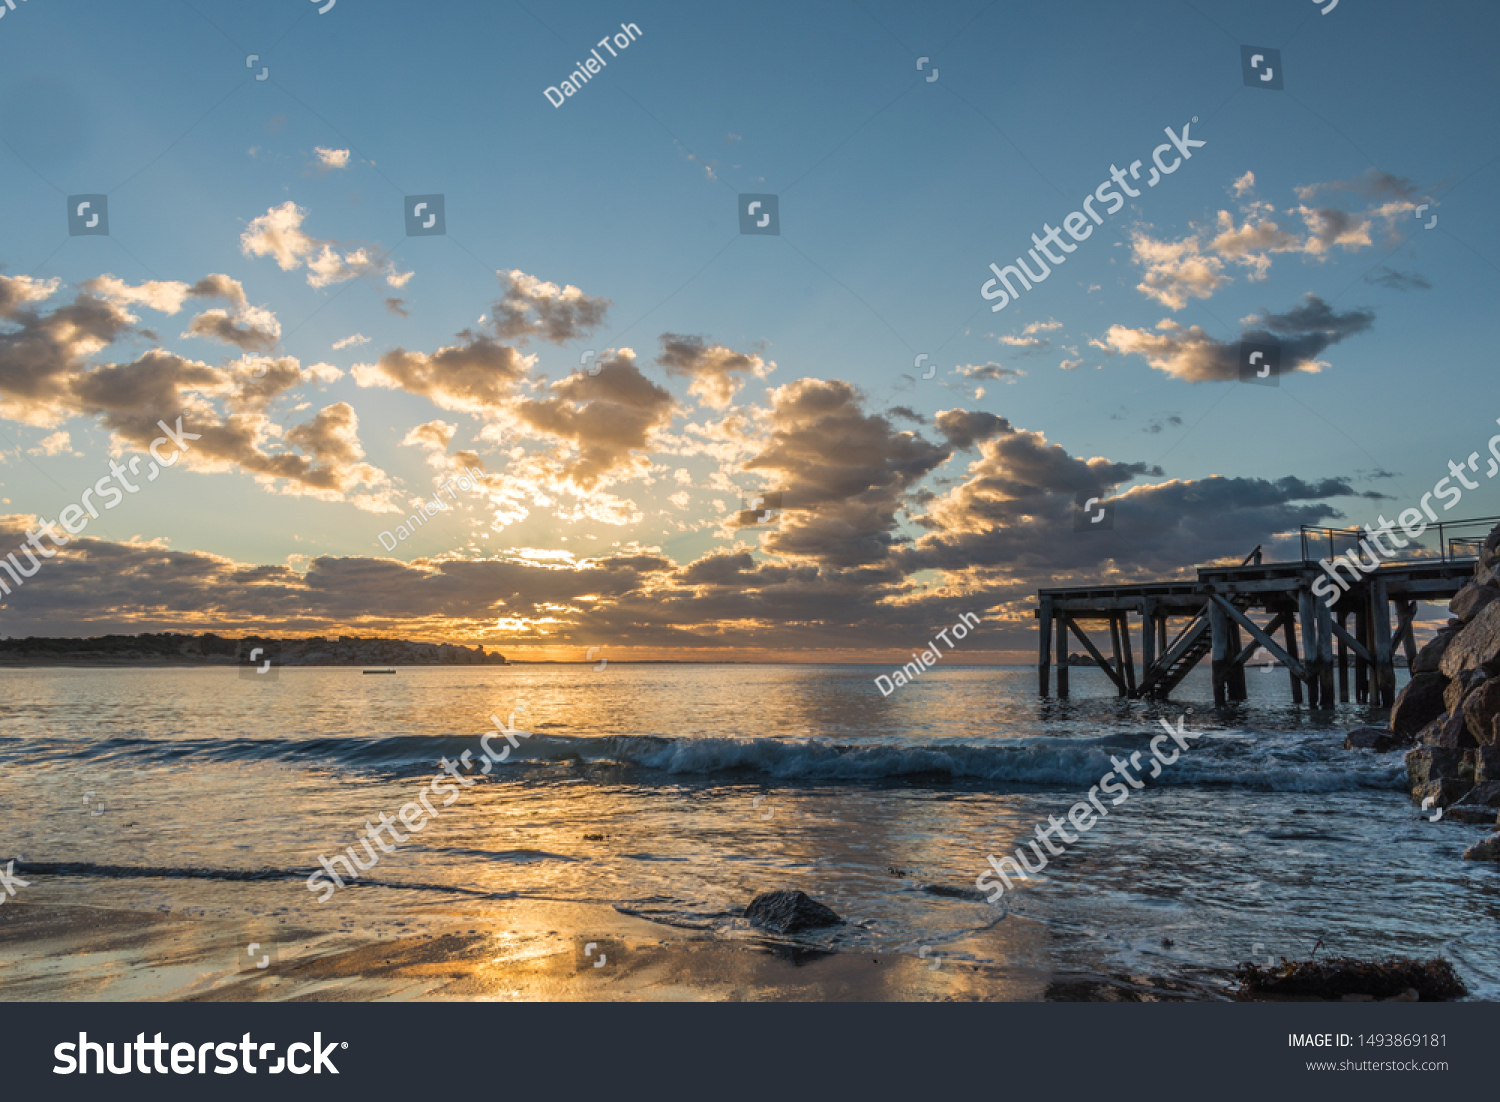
(1300, 762)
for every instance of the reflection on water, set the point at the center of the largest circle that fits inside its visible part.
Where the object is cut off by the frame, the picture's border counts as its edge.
(676, 793)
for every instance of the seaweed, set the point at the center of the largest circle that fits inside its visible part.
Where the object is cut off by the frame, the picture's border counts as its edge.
(1338, 977)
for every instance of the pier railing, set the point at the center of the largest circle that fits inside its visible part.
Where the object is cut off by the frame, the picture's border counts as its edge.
(1460, 539)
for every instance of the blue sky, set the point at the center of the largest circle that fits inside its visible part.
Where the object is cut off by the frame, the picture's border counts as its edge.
(895, 195)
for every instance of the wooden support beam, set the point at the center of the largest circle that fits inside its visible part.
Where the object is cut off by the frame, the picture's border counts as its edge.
(1407, 632)
(1305, 612)
(1385, 655)
(1343, 640)
(1289, 631)
(1148, 637)
(1044, 649)
(1325, 655)
(1099, 659)
(1347, 640)
(1362, 654)
(1127, 659)
(1062, 658)
(1114, 644)
(1234, 677)
(1264, 638)
(1218, 625)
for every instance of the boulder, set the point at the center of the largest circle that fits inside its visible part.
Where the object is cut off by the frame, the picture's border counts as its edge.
(1441, 792)
(1482, 709)
(1453, 695)
(1471, 600)
(1449, 732)
(1487, 761)
(1470, 816)
(1370, 738)
(1430, 657)
(1420, 702)
(1476, 646)
(1431, 763)
(790, 912)
(1487, 850)
(1485, 575)
(1482, 795)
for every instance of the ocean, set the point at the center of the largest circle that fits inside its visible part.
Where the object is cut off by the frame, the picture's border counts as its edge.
(676, 793)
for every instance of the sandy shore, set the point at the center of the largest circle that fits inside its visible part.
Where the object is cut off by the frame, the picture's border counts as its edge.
(80, 953)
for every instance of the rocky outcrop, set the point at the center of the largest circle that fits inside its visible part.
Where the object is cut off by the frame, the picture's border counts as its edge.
(1476, 646)
(1420, 702)
(1455, 694)
(790, 912)
(1370, 738)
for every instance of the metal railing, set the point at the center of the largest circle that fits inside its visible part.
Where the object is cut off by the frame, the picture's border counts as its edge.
(1451, 545)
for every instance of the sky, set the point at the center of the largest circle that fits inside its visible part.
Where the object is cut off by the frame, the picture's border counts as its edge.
(627, 375)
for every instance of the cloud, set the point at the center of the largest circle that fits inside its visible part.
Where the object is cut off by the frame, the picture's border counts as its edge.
(717, 372)
(604, 422)
(1397, 281)
(530, 308)
(1243, 186)
(278, 234)
(251, 329)
(165, 297)
(58, 443)
(397, 306)
(1372, 184)
(990, 370)
(1190, 354)
(1175, 270)
(330, 159)
(476, 375)
(353, 341)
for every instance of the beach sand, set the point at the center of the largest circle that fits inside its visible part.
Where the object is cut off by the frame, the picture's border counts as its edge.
(71, 953)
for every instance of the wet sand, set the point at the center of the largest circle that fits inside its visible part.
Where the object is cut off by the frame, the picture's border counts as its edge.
(75, 953)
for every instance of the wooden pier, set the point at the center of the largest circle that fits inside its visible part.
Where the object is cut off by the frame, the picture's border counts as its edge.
(1221, 608)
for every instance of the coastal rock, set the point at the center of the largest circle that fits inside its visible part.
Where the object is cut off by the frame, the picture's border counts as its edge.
(1469, 816)
(1471, 601)
(1485, 575)
(1476, 646)
(1487, 850)
(1431, 763)
(1441, 792)
(1487, 761)
(790, 912)
(1420, 702)
(1370, 738)
(1449, 732)
(1482, 709)
(1482, 795)
(1430, 657)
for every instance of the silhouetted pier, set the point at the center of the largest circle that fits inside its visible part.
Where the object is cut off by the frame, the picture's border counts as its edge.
(1220, 609)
